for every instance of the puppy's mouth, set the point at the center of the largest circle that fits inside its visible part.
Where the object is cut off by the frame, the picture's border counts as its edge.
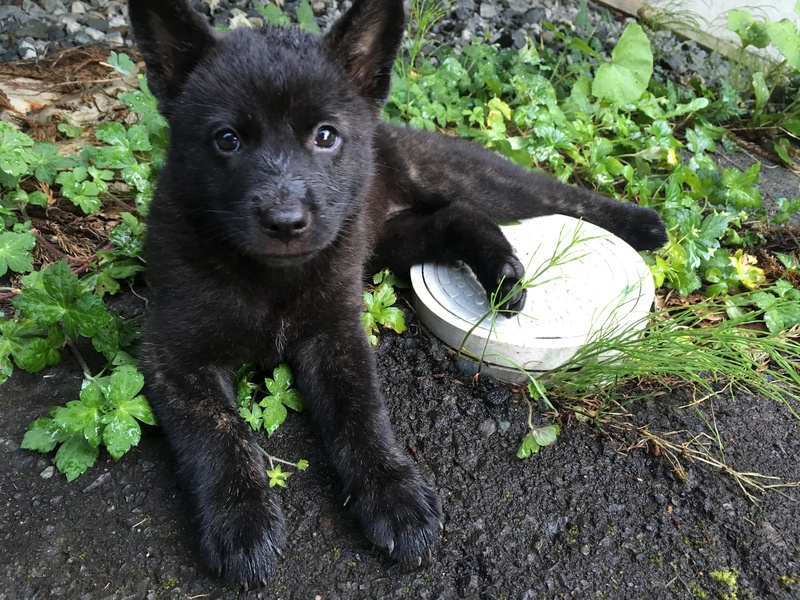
(276, 253)
(285, 260)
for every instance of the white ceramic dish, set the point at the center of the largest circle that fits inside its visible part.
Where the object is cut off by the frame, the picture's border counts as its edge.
(601, 284)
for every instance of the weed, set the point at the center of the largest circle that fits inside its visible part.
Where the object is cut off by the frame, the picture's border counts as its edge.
(379, 309)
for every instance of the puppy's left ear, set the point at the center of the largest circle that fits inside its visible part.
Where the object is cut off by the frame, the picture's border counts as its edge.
(365, 41)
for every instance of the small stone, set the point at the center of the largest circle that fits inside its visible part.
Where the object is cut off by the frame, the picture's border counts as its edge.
(115, 39)
(29, 7)
(27, 52)
(54, 7)
(97, 482)
(488, 11)
(118, 21)
(93, 34)
(487, 428)
(34, 29)
(71, 25)
(56, 33)
(48, 472)
(239, 20)
(98, 24)
(78, 8)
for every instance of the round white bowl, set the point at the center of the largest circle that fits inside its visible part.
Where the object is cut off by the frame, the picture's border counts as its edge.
(584, 282)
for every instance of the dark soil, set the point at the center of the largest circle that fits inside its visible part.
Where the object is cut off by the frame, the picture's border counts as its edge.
(580, 520)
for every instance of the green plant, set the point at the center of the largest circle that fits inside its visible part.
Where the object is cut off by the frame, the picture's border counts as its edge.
(269, 412)
(379, 309)
(303, 12)
(782, 125)
(108, 413)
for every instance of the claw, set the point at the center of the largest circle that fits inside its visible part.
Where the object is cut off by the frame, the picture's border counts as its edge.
(391, 546)
(419, 561)
(279, 552)
(430, 556)
(441, 526)
(346, 500)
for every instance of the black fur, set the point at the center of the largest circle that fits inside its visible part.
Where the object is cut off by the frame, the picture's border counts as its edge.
(281, 185)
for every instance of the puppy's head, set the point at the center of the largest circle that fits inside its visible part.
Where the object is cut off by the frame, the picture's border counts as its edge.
(271, 129)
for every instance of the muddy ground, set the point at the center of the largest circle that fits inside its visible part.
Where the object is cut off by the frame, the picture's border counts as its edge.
(582, 519)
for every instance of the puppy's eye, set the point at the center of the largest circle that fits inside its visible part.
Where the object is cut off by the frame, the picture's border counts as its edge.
(227, 140)
(326, 137)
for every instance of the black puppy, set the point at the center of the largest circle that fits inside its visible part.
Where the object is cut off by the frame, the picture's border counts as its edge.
(280, 188)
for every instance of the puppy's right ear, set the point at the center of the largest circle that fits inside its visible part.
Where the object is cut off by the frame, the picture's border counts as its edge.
(172, 38)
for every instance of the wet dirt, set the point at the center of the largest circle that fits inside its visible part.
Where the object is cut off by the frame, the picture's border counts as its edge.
(582, 519)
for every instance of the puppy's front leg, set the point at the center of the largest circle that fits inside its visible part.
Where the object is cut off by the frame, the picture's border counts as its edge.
(383, 488)
(221, 467)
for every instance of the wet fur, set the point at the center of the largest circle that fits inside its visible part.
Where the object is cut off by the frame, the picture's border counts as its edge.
(260, 254)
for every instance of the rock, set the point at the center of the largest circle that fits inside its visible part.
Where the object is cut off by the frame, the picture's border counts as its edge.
(32, 9)
(26, 50)
(488, 11)
(98, 24)
(34, 28)
(56, 32)
(115, 39)
(54, 7)
(93, 34)
(78, 8)
(71, 25)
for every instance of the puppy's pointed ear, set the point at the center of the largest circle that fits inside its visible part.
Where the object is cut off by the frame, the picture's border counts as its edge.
(364, 42)
(172, 38)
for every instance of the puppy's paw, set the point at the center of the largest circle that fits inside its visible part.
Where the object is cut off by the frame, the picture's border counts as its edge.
(241, 541)
(401, 513)
(647, 230)
(503, 279)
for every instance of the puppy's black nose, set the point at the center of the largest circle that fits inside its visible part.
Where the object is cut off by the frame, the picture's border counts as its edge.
(284, 223)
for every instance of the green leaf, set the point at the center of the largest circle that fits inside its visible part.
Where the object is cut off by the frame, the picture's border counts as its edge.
(761, 91)
(69, 130)
(273, 412)
(42, 436)
(121, 433)
(785, 37)
(75, 456)
(293, 400)
(546, 435)
(277, 476)
(32, 346)
(15, 151)
(305, 17)
(750, 31)
(529, 446)
(122, 63)
(57, 296)
(252, 417)
(625, 78)
(15, 251)
(123, 385)
(113, 134)
(281, 379)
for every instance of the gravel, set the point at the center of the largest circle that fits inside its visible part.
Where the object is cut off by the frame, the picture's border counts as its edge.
(31, 29)
(35, 29)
